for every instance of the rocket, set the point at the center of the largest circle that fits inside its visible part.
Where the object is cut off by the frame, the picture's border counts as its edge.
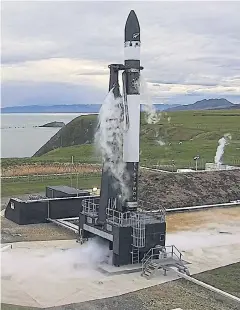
(131, 89)
(131, 118)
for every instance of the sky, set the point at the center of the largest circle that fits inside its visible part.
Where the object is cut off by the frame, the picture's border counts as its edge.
(58, 52)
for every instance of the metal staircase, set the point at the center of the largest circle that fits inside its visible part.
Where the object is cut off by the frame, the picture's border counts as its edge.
(150, 270)
(162, 258)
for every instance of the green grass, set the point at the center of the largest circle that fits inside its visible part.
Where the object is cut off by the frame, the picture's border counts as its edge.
(85, 153)
(199, 132)
(36, 184)
(218, 278)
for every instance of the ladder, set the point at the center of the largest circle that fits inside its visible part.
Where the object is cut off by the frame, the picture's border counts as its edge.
(138, 232)
(135, 255)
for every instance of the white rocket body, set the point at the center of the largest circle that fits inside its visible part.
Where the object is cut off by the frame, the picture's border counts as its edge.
(131, 136)
(131, 77)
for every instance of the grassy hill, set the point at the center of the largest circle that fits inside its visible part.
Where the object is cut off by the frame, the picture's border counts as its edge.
(186, 135)
(79, 131)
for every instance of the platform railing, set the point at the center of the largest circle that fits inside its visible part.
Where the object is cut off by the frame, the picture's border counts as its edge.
(118, 218)
(161, 252)
(90, 207)
(159, 211)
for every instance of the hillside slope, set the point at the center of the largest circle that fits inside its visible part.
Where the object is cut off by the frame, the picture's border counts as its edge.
(79, 131)
(190, 189)
(198, 131)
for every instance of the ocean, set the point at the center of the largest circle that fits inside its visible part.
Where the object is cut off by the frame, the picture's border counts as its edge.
(20, 137)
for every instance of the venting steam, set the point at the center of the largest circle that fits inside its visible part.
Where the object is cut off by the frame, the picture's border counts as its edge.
(109, 141)
(225, 140)
(152, 117)
(57, 264)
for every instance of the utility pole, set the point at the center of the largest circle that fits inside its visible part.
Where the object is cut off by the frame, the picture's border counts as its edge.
(196, 158)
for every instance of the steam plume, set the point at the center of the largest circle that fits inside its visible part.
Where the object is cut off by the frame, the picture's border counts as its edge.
(109, 141)
(225, 140)
(56, 263)
(152, 117)
(161, 142)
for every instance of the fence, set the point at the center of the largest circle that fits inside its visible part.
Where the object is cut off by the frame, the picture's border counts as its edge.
(78, 180)
(41, 171)
(172, 166)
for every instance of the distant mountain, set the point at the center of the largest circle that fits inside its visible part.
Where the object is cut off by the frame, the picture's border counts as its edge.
(234, 107)
(206, 104)
(73, 108)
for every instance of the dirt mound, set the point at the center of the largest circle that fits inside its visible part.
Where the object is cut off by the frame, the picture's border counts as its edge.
(172, 190)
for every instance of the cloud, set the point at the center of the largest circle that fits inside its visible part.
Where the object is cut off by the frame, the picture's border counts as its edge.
(49, 93)
(58, 70)
(188, 49)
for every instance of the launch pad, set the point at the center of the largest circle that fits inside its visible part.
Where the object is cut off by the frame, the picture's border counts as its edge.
(135, 237)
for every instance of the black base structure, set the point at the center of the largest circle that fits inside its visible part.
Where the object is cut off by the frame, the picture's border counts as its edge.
(130, 234)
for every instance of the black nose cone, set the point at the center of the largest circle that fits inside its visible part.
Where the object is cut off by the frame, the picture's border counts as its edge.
(132, 28)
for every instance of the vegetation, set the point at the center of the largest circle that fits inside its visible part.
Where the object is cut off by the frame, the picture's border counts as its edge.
(182, 136)
(36, 184)
(218, 279)
(78, 131)
(177, 136)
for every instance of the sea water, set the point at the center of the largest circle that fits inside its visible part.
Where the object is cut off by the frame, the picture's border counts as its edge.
(20, 136)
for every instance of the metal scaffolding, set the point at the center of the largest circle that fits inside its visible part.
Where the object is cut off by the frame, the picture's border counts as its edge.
(90, 207)
(118, 218)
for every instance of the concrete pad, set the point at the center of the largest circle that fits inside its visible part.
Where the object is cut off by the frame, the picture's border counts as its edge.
(116, 285)
(112, 270)
(13, 293)
(52, 273)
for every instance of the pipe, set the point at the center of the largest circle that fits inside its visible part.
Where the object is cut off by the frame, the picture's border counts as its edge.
(65, 225)
(197, 208)
(6, 247)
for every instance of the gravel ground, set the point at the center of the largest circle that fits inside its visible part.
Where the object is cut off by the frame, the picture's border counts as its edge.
(12, 232)
(173, 190)
(176, 294)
